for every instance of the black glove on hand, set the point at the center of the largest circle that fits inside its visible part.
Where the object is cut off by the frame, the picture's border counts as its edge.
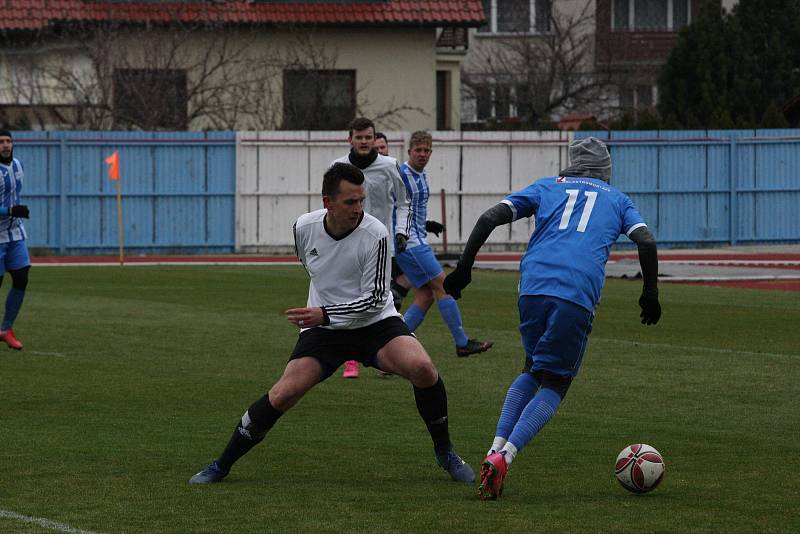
(651, 309)
(457, 280)
(434, 227)
(400, 242)
(20, 211)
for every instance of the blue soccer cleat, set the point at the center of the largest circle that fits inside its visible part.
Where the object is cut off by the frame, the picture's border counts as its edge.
(209, 475)
(459, 470)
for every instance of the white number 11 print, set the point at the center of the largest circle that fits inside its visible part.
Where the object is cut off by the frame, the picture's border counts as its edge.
(591, 197)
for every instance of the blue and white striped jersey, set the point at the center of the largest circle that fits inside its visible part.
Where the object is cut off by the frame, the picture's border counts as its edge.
(418, 193)
(11, 228)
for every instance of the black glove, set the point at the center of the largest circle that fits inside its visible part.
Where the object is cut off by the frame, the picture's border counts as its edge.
(20, 211)
(434, 227)
(457, 280)
(400, 242)
(651, 309)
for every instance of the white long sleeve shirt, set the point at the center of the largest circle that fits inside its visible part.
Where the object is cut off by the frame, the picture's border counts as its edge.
(385, 192)
(350, 274)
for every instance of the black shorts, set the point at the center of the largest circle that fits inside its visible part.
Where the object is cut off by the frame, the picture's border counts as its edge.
(331, 348)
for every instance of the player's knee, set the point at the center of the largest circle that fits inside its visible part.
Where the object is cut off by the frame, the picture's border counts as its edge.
(558, 383)
(19, 278)
(422, 372)
(284, 396)
(423, 297)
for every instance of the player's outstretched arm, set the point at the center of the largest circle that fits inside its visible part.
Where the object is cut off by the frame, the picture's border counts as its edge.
(648, 260)
(462, 275)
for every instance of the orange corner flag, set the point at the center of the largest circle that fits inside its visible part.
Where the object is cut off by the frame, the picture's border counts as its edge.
(113, 166)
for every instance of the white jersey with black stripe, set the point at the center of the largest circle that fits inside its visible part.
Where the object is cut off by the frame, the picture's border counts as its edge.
(350, 274)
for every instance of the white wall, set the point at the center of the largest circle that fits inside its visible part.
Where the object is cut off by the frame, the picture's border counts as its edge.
(279, 177)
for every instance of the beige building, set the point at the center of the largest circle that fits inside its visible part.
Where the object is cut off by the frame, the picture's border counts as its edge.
(232, 64)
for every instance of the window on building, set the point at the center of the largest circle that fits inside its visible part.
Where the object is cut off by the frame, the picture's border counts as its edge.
(636, 97)
(516, 16)
(669, 15)
(318, 99)
(443, 104)
(483, 103)
(150, 99)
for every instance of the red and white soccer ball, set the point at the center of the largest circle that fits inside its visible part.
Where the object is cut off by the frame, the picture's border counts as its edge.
(639, 468)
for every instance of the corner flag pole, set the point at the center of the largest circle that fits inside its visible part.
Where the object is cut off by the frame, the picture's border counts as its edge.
(113, 174)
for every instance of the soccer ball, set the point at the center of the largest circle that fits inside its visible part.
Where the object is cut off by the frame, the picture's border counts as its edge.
(639, 468)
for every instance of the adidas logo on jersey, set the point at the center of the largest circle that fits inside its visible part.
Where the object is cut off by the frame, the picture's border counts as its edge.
(313, 252)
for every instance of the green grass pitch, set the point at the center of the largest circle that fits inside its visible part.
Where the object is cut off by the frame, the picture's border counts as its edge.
(133, 378)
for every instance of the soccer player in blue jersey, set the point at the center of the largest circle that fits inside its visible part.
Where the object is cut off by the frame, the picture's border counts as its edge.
(418, 262)
(578, 217)
(14, 257)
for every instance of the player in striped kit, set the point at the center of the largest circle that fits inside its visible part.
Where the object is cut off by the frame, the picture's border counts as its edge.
(418, 262)
(349, 313)
(578, 218)
(13, 250)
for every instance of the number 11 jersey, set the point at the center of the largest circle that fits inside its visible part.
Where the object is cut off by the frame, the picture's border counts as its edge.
(576, 222)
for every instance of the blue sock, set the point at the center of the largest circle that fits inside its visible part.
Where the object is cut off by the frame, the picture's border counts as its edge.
(535, 415)
(13, 304)
(452, 316)
(414, 317)
(519, 395)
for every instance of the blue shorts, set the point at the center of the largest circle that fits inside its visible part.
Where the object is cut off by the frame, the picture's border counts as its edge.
(14, 255)
(554, 333)
(419, 264)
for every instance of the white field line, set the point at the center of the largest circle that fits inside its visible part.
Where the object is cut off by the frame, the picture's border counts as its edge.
(157, 263)
(743, 263)
(39, 353)
(732, 278)
(692, 348)
(42, 522)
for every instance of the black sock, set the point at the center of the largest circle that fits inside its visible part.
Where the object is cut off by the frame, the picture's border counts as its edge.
(249, 432)
(432, 406)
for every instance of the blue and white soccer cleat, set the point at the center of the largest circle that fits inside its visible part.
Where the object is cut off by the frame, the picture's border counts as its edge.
(459, 470)
(209, 475)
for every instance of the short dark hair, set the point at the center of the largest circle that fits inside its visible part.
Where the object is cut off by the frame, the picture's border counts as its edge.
(381, 135)
(361, 123)
(337, 173)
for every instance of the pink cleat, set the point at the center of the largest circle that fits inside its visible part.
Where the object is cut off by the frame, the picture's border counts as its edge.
(493, 473)
(350, 369)
(10, 339)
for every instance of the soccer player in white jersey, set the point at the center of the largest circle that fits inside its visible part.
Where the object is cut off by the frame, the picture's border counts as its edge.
(14, 257)
(418, 262)
(386, 194)
(579, 215)
(349, 313)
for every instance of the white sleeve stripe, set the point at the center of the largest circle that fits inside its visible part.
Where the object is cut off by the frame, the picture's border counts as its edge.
(375, 298)
(512, 206)
(634, 227)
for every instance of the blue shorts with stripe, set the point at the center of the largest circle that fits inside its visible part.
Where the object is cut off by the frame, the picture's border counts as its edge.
(419, 264)
(554, 333)
(14, 255)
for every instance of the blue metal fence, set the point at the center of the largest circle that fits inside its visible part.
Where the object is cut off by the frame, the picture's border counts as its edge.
(697, 188)
(694, 188)
(179, 190)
